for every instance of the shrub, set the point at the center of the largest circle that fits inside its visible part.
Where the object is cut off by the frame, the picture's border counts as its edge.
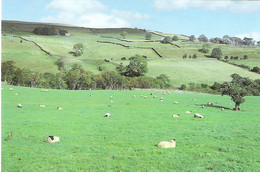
(183, 87)
(175, 38)
(194, 56)
(123, 58)
(166, 40)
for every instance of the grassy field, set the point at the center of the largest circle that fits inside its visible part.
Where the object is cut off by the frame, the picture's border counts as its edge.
(222, 140)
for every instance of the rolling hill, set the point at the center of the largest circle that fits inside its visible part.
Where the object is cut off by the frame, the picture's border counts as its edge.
(100, 44)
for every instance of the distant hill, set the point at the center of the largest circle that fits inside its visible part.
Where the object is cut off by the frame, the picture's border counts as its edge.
(107, 43)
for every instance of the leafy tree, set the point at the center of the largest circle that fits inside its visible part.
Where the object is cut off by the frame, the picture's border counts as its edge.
(255, 69)
(216, 53)
(166, 40)
(165, 81)
(238, 88)
(46, 30)
(78, 48)
(192, 38)
(123, 34)
(216, 86)
(175, 38)
(183, 87)
(61, 64)
(8, 71)
(121, 69)
(205, 48)
(63, 32)
(137, 66)
(226, 57)
(203, 38)
(148, 36)
(245, 57)
(194, 56)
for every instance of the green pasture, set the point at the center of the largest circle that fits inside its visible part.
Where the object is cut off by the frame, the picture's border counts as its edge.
(221, 141)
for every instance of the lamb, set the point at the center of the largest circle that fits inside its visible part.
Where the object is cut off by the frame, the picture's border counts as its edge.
(176, 116)
(167, 144)
(53, 139)
(42, 90)
(59, 108)
(176, 102)
(19, 106)
(107, 115)
(111, 101)
(43, 106)
(197, 115)
(111, 97)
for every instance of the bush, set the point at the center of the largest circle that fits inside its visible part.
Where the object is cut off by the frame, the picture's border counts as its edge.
(175, 38)
(63, 32)
(216, 86)
(46, 30)
(184, 56)
(166, 40)
(216, 53)
(194, 56)
(226, 57)
(255, 69)
(183, 87)
(204, 86)
(123, 58)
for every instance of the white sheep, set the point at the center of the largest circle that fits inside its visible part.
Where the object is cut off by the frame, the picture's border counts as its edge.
(59, 108)
(145, 97)
(222, 109)
(10, 89)
(161, 98)
(16, 94)
(176, 102)
(111, 101)
(134, 96)
(43, 106)
(202, 106)
(19, 106)
(53, 139)
(107, 115)
(188, 111)
(111, 97)
(176, 116)
(167, 144)
(197, 115)
(209, 103)
(46, 90)
(154, 96)
(42, 90)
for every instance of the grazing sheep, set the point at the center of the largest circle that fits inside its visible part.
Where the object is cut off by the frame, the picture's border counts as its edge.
(46, 90)
(111, 97)
(145, 97)
(209, 103)
(134, 96)
(188, 111)
(43, 106)
(91, 95)
(202, 106)
(42, 90)
(19, 106)
(164, 92)
(59, 108)
(176, 102)
(154, 96)
(111, 101)
(53, 139)
(16, 94)
(107, 115)
(176, 116)
(166, 144)
(161, 98)
(197, 115)
(217, 102)
(222, 109)
(10, 89)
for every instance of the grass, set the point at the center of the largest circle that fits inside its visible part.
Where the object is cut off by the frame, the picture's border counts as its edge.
(222, 140)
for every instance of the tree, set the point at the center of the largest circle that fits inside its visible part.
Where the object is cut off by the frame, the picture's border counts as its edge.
(194, 56)
(123, 34)
(8, 71)
(121, 69)
(166, 40)
(205, 48)
(184, 56)
(175, 38)
(78, 48)
(203, 38)
(238, 88)
(165, 81)
(216, 53)
(192, 38)
(137, 66)
(148, 36)
(61, 64)
(63, 32)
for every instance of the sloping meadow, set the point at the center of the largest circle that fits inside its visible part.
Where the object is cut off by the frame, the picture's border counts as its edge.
(222, 140)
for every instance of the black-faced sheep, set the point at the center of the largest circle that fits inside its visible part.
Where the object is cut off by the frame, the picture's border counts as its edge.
(19, 106)
(53, 139)
(197, 115)
(176, 102)
(167, 144)
(107, 115)
(188, 111)
(202, 106)
(176, 116)
(59, 108)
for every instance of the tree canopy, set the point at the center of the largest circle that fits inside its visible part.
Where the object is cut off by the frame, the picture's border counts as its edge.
(137, 66)
(216, 53)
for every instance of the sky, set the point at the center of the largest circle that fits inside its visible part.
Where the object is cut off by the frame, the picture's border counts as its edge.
(188, 17)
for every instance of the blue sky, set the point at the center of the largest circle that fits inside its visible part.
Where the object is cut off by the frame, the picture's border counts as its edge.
(189, 17)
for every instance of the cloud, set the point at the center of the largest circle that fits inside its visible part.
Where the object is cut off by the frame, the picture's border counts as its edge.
(254, 35)
(90, 13)
(230, 5)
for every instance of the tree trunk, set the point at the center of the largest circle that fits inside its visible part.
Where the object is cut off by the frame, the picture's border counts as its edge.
(237, 108)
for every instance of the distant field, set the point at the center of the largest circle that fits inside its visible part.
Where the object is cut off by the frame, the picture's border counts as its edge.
(222, 140)
(200, 70)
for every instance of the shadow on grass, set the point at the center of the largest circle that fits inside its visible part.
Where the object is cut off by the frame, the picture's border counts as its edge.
(215, 106)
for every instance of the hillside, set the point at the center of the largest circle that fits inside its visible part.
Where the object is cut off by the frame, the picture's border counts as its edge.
(103, 44)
